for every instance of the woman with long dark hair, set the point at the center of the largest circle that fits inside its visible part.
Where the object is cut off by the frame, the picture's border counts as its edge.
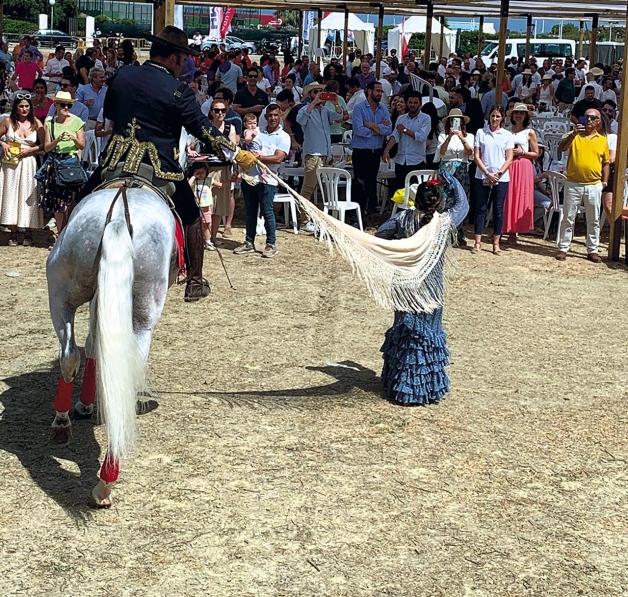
(18, 188)
(435, 128)
(41, 102)
(398, 107)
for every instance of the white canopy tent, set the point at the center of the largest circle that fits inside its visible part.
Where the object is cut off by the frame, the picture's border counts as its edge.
(363, 33)
(417, 24)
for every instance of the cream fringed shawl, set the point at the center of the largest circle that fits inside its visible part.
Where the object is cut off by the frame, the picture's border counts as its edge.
(402, 275)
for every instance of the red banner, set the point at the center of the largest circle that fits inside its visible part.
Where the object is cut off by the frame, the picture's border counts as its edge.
(227, 17)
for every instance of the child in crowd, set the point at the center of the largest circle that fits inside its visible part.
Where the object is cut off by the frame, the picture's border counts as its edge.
(202, 183)
(251, 142)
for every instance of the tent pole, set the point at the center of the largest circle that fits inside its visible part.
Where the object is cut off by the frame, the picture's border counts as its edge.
(594, 26)
(528, 35)
(480, 32)
(380, 27)
(319, 57)
(620, 172)
(300, 46)
(428, 34)
(345, 41)
(581, 41)
(501, 59)
(441, 45)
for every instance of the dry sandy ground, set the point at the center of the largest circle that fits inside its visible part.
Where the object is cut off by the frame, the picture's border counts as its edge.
(267, 471)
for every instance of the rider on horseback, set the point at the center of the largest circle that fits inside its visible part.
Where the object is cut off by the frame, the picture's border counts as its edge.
(148, 107)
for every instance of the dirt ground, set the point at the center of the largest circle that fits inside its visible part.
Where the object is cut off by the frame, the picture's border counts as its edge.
(268, 470)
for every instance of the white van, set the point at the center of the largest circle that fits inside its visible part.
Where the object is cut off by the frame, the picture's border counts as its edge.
(539, 48)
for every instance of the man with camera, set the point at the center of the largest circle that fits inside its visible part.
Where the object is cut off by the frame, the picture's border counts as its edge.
(315, 118)
(588, 170)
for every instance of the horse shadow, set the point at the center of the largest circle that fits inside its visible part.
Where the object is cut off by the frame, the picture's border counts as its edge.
(65, 473)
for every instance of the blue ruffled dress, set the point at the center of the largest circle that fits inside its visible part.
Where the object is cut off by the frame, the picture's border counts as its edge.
(415, 348)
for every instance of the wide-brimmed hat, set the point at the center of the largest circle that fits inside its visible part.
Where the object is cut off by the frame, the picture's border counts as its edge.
(476, 72)
(547, 77)
(596, 72)
(520, 107)
(174, 38)
(63, 97)
(456, 113)
(527, 71)
(311, 87)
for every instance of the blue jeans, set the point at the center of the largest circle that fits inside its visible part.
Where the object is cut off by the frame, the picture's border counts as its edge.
(480, 204)
(260, 197)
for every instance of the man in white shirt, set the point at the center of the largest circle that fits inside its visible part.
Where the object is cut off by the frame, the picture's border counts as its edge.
(590, 77)
(54, 69)
(386, 86)
(357, 96)
(608, 93)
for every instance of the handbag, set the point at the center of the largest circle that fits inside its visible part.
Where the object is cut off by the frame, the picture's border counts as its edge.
(67, 168)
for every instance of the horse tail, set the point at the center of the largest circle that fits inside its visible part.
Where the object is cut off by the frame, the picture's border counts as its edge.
(119, 366)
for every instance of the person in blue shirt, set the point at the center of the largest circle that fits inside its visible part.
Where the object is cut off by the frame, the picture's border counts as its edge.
(371, 126)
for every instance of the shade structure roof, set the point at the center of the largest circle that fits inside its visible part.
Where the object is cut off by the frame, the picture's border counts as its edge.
(568, 9)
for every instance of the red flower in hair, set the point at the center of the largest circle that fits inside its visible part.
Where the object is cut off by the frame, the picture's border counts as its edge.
(433, 182)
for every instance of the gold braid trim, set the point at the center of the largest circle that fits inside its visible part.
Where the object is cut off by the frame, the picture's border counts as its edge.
(135, 152)
(217, 143)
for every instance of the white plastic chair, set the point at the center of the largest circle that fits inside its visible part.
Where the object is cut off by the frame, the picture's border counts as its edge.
(289, 209)
(556, 126)
(347, 136)
(337, 154)
(421, 176)
(552, 141)
(556, 181)
(386, 172)
(329, 180)
(90, 153)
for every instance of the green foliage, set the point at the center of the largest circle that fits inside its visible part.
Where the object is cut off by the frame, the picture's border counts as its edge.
(570, 31)
(468, 41)
(290, 18)
(18, 26)
(28, 10)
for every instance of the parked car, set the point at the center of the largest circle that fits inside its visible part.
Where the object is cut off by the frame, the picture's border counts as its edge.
(231, 43)
(54, 37)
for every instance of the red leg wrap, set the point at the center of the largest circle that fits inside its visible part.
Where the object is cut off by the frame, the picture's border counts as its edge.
(88, 389)
(63, 399)
(110, 469)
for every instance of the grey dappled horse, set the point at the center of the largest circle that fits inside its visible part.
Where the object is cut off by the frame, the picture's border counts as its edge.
(124, 267)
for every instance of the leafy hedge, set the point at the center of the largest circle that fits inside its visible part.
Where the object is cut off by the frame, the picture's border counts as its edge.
(18, 26)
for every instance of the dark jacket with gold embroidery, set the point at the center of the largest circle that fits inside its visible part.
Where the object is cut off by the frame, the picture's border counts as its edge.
(148, 109)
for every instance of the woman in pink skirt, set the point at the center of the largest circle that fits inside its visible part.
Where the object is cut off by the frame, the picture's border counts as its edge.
(519, 208)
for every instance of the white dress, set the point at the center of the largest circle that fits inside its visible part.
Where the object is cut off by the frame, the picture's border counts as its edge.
(19, 194)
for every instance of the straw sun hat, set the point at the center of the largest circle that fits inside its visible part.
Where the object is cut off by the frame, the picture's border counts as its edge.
(456, 113)
(63, 97)
(520, 107)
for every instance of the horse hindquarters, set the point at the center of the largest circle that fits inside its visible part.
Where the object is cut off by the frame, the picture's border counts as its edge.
(118, 367)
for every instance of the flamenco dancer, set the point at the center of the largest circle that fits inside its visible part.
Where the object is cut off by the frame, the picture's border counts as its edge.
(415, 349)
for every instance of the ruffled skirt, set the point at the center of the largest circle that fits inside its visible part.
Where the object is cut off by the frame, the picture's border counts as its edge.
(415, 356)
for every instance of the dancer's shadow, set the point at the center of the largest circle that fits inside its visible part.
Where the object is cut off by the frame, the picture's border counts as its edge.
(66, 473)
(353, 382)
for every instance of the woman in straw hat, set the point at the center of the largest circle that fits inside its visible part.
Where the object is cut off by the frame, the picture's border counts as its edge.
(547, 93)
(64, 138)
(527, 88)
(519, 208)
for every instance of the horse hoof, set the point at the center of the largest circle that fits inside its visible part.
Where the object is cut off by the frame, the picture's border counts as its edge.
(100, 498)
(143, 407)
(82, 411)
(61, 431)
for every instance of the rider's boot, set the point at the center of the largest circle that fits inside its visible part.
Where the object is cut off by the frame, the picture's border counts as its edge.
(197, 287)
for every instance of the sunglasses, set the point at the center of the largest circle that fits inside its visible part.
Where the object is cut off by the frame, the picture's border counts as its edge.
(219, 110)
(252, 76)
(64, 105)
(591, 117)
(608, 110)
(23, 96)
(64, 85)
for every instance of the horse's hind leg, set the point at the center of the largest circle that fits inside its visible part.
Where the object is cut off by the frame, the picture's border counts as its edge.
(70, 361)
(84, 408)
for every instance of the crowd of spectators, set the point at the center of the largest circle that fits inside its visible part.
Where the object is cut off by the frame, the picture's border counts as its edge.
(291, 111)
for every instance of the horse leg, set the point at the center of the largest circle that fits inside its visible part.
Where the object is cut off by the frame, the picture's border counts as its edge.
(101, 494)
(70, 361)
(84, 408)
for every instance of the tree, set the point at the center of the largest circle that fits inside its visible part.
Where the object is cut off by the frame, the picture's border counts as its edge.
(570, 31)
(28, 10)
(289, 18)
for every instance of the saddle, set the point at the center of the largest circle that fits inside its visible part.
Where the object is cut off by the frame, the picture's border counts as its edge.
(145, 179)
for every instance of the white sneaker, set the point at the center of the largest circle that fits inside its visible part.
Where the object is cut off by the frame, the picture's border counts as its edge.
(308, 228)
(209, 246)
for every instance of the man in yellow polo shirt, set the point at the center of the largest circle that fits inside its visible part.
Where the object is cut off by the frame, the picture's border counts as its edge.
(588, 169)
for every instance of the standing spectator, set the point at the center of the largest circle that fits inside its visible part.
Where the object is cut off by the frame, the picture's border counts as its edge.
(230, 74)
(18, 188)
(290, 85)
(365, 77)
(489, 99)
(336, 128)
(356, 96)
(54, 69)
(269, 71)
(566, 90)
(546, 93)
(435, 129)
(275, 148)
(493, 151)
(397, 108)
(519, 209)
(315, 118)
(411, 133)
(41, 102)
(608, 93)
(250, 98)
(93, 95)
(4, 54)
(29, 47)
(313, 74)
(84, 64)
(371, 126)
(26, 71)
(591, 82)
(455, 148)
(610, 109)
(588, 171)
(526, 90)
